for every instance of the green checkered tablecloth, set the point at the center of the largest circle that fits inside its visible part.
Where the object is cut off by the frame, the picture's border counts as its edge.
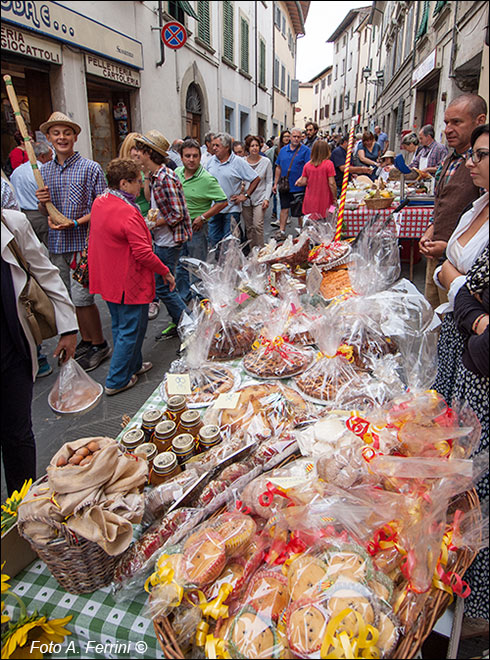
(122, 629)
(155, 400)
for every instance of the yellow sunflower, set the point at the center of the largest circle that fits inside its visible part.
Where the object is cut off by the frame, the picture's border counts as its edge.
(9, 509)
(17, 642)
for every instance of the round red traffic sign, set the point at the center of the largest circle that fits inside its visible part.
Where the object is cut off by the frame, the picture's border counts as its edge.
(174, 35)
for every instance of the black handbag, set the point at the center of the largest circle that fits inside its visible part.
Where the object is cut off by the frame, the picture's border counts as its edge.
(283, 183)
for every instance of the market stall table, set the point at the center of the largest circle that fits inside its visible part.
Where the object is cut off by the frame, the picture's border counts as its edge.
(411, 222)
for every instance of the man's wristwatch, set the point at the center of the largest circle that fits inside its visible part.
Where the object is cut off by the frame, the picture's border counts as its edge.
(201, 217)
(247, 195)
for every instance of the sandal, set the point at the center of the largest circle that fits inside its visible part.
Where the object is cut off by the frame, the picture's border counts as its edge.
(132, 382)
(146, 366)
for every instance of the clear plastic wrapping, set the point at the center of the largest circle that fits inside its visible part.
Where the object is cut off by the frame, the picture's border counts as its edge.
(273, 356)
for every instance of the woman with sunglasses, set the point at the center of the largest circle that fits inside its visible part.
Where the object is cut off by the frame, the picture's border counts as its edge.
(462, 372)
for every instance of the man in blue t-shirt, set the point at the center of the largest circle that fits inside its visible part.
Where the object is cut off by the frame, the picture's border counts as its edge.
(381, 139)
(338, 158)
(292, 158)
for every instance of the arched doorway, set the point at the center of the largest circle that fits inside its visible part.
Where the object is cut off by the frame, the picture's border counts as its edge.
(193, 107)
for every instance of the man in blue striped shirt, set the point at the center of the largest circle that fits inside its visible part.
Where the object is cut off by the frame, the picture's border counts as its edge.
(72, 184)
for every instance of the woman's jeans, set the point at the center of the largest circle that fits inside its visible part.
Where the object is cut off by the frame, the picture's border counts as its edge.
(129, 324)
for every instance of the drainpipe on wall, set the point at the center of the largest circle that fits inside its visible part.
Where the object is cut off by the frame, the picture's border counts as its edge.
(256, 71)
(453, 45)
(162, 45)
(273, 52)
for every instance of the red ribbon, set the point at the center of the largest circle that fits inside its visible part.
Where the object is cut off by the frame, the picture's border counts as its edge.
(386, 534)
(453, 580)
(240, 506)
(266, 498)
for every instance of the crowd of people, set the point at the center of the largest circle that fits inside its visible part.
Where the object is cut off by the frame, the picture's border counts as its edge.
(159, 203)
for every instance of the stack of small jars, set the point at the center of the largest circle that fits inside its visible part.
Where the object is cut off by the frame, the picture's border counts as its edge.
(168, 438)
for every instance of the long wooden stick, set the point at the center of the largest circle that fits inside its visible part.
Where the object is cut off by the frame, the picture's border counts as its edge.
(57, 218)
(345, 179)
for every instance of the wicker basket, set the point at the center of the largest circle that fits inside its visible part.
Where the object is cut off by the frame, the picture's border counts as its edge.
(410, 643)
(296, 259)
(379, 203)
(79, 566)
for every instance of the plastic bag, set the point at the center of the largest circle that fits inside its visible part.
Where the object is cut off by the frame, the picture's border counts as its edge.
(377, 258)
(273, 356)
(263, 410)
(326, 252)
(74, 391)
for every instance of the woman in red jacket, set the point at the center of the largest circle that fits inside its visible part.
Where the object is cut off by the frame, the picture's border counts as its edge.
(122, 266)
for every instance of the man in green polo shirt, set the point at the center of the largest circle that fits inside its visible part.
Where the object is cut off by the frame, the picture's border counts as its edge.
(204, 198)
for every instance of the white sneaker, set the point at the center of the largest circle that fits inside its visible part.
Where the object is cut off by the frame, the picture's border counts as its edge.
(153, 310)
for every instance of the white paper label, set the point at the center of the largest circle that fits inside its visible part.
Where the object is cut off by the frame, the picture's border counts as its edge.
(227, 400)
(178, 384)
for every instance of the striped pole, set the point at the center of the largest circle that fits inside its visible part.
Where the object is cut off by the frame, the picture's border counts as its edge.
(345, 180)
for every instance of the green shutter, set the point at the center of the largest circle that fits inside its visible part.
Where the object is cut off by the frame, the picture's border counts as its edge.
(438, 7)
(244, 45)
(204, 26)
(228, 45)
(424, 21)
(187, 9)
(262, 63)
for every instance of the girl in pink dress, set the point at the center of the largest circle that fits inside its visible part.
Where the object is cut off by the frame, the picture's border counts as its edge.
(319, 178)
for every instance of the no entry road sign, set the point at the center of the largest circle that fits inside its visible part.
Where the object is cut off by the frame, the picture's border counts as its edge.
(174, 35)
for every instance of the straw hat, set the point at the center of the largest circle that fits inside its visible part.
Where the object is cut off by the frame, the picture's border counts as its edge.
(388, 154)
(58, 118)
(155, 140)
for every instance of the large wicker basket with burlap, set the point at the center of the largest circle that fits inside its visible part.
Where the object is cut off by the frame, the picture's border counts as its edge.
(79, 566)
(411, 642)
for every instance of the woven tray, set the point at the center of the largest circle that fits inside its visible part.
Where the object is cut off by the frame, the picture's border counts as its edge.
(410, 643)
(376, 204)
(79, 566)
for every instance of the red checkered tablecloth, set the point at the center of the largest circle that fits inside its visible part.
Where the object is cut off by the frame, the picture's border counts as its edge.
(411, 221)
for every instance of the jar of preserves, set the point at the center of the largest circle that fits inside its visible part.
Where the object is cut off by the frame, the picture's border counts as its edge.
(300, 287)
(165, 466)
(148, 451)
(184, 447)
(164, 433)
(278, 271)
(209, 436)
(131, 439)
(190, 422)
(176, 405)
(300, 274)
(148, 422)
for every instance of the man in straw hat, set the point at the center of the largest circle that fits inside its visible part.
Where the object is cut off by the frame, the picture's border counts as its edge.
(72, 184)
(173, 224)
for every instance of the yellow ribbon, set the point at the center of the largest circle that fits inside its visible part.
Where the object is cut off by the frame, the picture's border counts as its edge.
(343, 350)
(164, 574)
(215, 608)
(215, 647)
(201, 633)
(341, 639)
(443, 447)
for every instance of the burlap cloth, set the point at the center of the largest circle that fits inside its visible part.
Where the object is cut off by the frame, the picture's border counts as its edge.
(98, 502)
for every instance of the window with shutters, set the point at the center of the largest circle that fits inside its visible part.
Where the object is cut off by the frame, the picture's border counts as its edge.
(277, 18)
(341, 100)
(283, 78)
(327, 111)
(336, 71)
(244, 45)
(359, 107)
(277, 68)
(409, 33)
(316, 88)
(316, 116)
(343, 66)
(329, 80)
(321, 113)
(204, 25)
(283, 25)
(262, 63)
(334, 109)
(289, 87)
(323, 83)
(228, 40)
(176, 11)
(337, 47)
(424, 21)
(350, 61)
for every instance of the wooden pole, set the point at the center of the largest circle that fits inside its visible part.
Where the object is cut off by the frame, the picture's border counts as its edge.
(57, 218)
(345, 179)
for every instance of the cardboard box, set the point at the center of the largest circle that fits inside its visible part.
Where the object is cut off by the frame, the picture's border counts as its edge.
(15, 552)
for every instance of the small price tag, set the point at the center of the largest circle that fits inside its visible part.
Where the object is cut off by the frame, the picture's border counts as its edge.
(287, 482)
(242, 298)
(178, 384)
(228, 400)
